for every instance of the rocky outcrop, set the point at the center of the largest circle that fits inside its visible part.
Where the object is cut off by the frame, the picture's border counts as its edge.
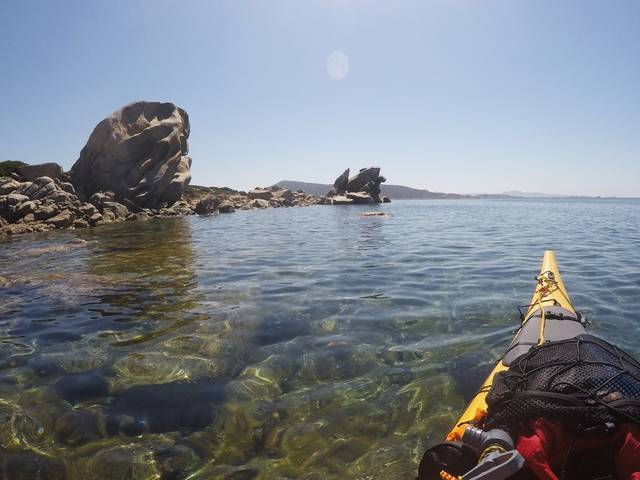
(361, 189)
(135, 166)
(211, 200)
(139, 153)
(46, 204)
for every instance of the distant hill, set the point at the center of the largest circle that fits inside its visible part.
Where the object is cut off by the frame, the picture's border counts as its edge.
(10, 166)
(395, 192)
(317, 189)
(518, 193)
(401, 192)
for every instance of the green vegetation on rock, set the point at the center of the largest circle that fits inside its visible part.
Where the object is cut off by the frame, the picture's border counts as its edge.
(10, 166)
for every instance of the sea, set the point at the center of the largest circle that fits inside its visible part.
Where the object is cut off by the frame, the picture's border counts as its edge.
(293, 343)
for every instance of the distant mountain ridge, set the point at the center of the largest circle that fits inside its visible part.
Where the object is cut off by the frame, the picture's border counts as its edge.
(397, 192)
(402, 192)
(518, 193)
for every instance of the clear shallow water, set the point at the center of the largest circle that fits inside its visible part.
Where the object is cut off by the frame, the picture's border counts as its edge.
(287, 343)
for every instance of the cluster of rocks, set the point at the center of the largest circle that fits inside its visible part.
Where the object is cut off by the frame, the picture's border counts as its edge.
(135, 165)
(226, 200)
(48, 203)
(361, 189)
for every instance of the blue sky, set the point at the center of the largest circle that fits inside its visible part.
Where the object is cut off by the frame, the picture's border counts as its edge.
(449, 95)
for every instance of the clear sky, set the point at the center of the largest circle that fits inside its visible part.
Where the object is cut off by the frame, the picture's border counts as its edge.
(449, 95)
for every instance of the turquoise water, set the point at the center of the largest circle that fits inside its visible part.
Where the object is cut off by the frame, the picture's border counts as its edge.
(309, 343)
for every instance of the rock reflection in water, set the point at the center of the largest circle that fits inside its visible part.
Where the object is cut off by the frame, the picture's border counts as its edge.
(137, 366)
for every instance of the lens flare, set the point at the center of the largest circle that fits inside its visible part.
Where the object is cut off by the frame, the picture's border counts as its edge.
(338, 65)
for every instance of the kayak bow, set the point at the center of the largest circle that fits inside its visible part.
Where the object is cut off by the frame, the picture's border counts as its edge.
(546, 318)
(560, 403)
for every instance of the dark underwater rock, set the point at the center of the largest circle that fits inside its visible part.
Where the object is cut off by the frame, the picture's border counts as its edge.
(43, 367)
(178, 406)
(77, 427)
(276, 329)
(82, 386)
(30, 466)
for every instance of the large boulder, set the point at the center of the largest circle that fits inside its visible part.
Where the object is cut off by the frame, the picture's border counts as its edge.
(31, 172)
(258, 203)
(8, 185)
(284, 194)
(63, 219)
(40, 187)
(226, 207)
(259, 193)
(26, 208)
(362, 188)
(140, 153)
(207, 205)
(45, 212)
(360, 179)
(340, 185)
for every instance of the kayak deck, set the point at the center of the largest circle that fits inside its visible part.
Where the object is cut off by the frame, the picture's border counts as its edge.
(549, 316)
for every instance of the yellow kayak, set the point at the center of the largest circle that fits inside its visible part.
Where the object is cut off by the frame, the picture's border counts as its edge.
(554, 386)
(549, 316)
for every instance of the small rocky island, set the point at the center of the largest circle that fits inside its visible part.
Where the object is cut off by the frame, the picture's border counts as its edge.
(361, 189)
(134, 166)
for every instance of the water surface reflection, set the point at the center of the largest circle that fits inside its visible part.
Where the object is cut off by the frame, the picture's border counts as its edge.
(306, 343)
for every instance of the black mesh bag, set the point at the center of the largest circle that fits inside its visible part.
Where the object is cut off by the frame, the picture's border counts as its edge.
(584, 382)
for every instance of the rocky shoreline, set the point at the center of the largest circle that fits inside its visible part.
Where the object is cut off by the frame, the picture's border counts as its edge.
(49, 204)
(135, 166)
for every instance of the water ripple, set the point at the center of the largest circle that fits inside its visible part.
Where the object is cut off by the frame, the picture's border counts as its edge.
(306, 343)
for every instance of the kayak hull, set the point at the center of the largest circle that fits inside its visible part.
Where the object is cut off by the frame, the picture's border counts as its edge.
(549, 316)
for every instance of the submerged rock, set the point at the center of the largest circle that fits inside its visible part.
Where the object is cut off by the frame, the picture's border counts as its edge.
(164, 367)
(376, 214)
(82, 386)
(31, 466)
(178, 406)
